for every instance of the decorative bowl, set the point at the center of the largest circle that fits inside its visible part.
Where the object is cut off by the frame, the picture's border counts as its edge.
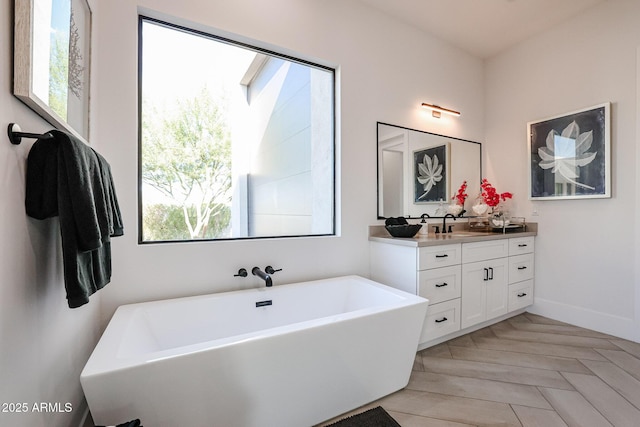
(403, 230)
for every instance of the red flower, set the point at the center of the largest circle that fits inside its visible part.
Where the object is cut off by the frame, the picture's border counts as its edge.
(461, 195)
(491, 196)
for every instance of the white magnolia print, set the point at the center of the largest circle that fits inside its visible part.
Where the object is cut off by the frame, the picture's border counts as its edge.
(567, 164)
(429, 173)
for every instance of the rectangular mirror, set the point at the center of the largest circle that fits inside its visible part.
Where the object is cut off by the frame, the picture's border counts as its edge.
(52, 48)
(417, 170)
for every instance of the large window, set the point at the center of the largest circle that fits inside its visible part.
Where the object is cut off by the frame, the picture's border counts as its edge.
(235, 141)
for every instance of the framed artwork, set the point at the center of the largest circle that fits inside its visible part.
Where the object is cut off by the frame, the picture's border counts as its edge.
(570, 155)
(430, 174)
(52, 57)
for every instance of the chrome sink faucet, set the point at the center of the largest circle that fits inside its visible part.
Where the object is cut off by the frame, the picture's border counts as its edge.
(444, 223)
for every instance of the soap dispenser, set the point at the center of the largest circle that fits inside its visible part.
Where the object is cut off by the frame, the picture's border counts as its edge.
(424, 230)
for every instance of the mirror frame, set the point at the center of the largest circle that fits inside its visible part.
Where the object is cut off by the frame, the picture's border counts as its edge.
(23, 63)
(378, 172)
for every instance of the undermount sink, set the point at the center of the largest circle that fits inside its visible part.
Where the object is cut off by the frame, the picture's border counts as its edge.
(463, 233)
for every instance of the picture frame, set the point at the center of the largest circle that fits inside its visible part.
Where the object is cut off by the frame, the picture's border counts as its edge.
(52, 61)
(430, 176)
(570, 155)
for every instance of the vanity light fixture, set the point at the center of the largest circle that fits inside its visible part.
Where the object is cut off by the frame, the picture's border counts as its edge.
(436, 110)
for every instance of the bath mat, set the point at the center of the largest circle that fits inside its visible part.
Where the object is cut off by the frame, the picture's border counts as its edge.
(376, 417)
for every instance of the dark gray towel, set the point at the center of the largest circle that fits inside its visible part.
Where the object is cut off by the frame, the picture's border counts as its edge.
(66, 177)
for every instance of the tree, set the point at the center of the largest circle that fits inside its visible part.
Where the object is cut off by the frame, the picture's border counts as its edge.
(187, 157)
(58, 74)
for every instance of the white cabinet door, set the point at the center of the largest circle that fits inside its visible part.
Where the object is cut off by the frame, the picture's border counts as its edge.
(497, 289)
(439, 256)
(441, 319)
(474, 297)
(520, 268)
(440, 284)
(484, 291)
(520, 295)
(521, 245)
(488, 249)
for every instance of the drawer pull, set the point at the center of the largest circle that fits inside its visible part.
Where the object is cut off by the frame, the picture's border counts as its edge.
(522, 267)
(442, 256)
(442, 285)
(522, 245)
(444, 319)
(522, 295)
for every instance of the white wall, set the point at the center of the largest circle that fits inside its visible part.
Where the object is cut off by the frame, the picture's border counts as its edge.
(385, 70)
(586, 250)
(43, 344)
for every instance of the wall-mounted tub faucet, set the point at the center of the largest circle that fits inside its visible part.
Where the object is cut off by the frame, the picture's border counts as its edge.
(261, 274)
(241, 273)
(270, 270)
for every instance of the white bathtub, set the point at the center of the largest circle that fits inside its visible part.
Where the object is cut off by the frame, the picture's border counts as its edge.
(320, 349)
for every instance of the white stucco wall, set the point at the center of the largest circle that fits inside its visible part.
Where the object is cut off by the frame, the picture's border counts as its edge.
(586, 252)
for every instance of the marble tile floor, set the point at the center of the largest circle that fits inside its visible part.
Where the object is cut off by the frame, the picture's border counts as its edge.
(524, 371)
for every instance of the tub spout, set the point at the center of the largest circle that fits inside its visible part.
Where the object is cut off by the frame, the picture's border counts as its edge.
(261, 274)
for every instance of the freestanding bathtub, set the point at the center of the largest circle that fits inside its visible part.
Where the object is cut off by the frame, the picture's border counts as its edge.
(290, 355)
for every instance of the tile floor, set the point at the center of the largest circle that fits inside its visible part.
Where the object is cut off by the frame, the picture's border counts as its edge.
(525, 371)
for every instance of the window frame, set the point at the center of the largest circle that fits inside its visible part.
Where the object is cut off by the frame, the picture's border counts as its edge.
(211, 34)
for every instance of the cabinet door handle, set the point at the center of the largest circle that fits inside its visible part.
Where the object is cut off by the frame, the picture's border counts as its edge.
(486, 274)
(444, 319)
(442, 256)
(522, 267)
(490, 273)
(442, 285)
(522, 295)
(522, 245)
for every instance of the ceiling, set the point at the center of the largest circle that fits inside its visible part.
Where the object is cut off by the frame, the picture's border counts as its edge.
(483, 28)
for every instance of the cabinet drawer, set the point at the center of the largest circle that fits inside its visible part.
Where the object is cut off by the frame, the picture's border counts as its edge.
(520, 295)
(439, 256)
(520, 268)
(521, 245)
(481, 251)
(441, 319)
(440, 284)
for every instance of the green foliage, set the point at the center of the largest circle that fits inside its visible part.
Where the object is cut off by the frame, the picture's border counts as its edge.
(187, 157)
(166, 222)
(58, 76)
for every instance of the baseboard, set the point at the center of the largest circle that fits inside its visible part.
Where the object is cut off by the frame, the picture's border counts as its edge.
(618, 326)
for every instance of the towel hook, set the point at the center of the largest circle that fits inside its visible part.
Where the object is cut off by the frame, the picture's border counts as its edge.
(16, 134)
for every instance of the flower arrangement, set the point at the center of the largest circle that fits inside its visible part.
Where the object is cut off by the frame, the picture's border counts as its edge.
(461, 196)
(490, 196)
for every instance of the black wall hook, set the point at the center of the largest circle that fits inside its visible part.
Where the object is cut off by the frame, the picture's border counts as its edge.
(16, 134)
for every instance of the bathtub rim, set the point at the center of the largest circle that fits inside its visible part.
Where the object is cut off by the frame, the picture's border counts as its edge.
(104, 358)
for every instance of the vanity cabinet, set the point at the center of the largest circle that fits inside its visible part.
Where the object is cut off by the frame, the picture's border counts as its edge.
(433, 272)
(521, 268)
(485, 290)
(467, 283)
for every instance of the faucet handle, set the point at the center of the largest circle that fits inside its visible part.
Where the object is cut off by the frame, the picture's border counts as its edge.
(270, 270)
(241, 273)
